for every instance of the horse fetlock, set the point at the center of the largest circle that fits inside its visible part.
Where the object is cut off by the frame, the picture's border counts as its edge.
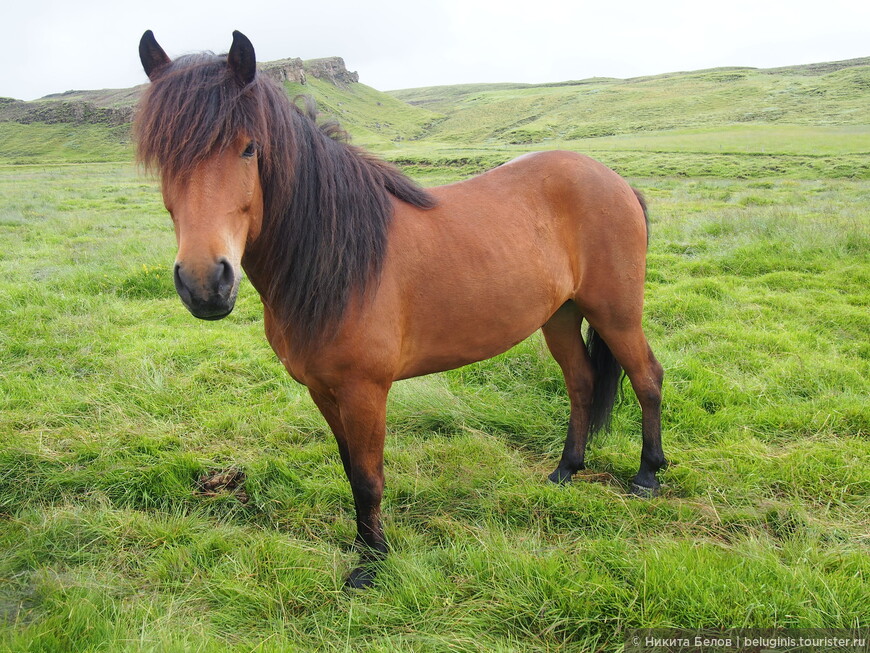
(371, 556)
(371, 545)
(645, 484)
(653, 463)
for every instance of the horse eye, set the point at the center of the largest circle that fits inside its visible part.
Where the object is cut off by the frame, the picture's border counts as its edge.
(250, 150)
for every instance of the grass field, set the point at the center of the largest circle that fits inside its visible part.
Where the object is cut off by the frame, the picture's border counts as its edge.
(729, 152)
(62, 143)
(119, 412)
(115, 402)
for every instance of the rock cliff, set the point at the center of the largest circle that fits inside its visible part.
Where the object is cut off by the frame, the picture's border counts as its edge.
(115, 106)
(329, 69)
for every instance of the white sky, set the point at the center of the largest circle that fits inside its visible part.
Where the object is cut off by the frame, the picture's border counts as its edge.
(50, 46)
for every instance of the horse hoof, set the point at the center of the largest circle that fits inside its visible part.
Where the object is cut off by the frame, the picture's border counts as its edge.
(560, 477)
(360, 579)
(644, 492)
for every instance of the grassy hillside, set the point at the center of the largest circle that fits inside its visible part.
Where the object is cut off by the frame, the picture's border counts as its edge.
(63, 143)
(518, 114)
(107, 97)
(373, 119)
(800, 122)
(471, 128)
(89, 126)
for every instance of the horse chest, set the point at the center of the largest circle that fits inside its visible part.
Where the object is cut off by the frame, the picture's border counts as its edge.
(292, 362)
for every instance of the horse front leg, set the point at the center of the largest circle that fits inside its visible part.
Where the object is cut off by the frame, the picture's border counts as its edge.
(356, 413)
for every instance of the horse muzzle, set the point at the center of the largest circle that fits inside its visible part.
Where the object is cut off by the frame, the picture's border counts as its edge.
(208, 292)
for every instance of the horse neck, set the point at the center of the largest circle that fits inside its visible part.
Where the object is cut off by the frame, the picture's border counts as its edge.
(255, 270)
(326, 214)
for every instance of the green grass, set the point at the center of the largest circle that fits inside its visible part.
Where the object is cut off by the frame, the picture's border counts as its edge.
(795, 140)
(683, 155)
(374, 119)
(63, 143)
(114, 401)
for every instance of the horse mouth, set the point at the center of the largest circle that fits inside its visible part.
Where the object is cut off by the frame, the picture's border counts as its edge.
(214, 318)
(210, 315)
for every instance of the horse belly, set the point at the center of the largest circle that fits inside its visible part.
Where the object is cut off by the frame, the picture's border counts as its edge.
(469, 319)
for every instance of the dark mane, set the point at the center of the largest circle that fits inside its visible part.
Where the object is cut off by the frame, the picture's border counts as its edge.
(327, 204)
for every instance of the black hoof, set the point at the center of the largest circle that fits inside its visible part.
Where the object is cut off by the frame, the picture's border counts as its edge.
(644, 492)
(560, 477)
(360, 578)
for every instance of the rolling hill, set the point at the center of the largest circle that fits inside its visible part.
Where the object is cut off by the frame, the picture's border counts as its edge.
(804, 121)
(818, 94)
(799, 121)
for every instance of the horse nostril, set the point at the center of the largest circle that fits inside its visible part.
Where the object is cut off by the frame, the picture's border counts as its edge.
(224, 276)
(181, 287)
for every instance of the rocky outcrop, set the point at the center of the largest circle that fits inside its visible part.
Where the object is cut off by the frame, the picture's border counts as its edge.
(115, 106)
(284, 70)
(58, 111)
(333, 70)
(329, 69)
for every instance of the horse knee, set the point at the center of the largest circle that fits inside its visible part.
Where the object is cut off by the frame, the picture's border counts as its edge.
(580, 392)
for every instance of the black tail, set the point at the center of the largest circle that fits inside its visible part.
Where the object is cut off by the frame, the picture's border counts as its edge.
(608, 374)
(642, 201)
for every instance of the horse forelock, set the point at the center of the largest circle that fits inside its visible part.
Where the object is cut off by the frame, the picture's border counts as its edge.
(193, 109)
(327, 204)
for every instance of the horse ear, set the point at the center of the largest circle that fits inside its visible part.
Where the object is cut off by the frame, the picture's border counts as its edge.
(241, 59)
(152, 55)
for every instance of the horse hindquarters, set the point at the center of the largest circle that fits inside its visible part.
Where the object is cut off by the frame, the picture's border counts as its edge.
(612, 302)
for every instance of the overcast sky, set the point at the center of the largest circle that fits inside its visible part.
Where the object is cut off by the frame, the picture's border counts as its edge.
(50, 46)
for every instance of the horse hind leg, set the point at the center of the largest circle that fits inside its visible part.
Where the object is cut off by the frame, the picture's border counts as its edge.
(629, 346)
(563, 337)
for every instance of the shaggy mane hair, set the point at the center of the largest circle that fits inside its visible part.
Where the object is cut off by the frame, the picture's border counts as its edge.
(327, 204)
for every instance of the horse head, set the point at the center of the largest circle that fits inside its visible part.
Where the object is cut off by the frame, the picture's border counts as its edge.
(210, 180)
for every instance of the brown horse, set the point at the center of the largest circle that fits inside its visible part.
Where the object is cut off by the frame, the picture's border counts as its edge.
(366, 278)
